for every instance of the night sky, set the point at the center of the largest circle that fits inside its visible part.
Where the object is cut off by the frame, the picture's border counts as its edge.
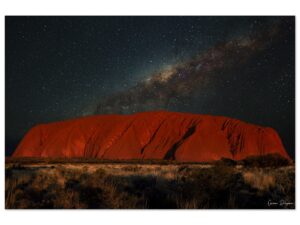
(65, 67)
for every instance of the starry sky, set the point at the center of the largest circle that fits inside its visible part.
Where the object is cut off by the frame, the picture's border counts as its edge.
(58, 68)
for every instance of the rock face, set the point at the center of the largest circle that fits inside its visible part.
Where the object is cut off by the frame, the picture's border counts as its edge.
(151, 135)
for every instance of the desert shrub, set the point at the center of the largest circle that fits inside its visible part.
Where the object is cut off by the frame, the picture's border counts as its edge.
(15, 182)
(226, 162)
(100, 172)
(17, 166)
(211, 187)
(259, 179)
(132, 168)
(100, 190)
(270, 160)
(155, 191)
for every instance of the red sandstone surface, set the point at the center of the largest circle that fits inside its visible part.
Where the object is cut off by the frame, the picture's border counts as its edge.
(151, 135)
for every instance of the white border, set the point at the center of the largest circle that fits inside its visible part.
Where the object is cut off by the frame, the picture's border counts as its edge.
(140, 7)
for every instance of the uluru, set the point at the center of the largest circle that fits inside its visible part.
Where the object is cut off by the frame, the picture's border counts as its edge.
(183, 137)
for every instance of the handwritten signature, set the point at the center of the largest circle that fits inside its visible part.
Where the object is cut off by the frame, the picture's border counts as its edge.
(280, 203)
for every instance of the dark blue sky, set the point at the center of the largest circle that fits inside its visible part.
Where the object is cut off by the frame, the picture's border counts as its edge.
(64, 67)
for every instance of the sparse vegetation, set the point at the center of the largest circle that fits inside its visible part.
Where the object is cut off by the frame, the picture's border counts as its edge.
(270, 160)
(225, 184)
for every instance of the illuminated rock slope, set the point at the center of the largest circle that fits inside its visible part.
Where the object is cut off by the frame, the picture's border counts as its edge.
(151, 135)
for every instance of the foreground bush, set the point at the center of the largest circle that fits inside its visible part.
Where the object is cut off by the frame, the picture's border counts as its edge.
(221, 185)
(270, 160)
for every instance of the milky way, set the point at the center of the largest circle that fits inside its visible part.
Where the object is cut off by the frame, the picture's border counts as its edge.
(177, 86)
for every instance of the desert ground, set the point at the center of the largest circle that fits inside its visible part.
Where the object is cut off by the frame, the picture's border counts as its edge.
(90, 184)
